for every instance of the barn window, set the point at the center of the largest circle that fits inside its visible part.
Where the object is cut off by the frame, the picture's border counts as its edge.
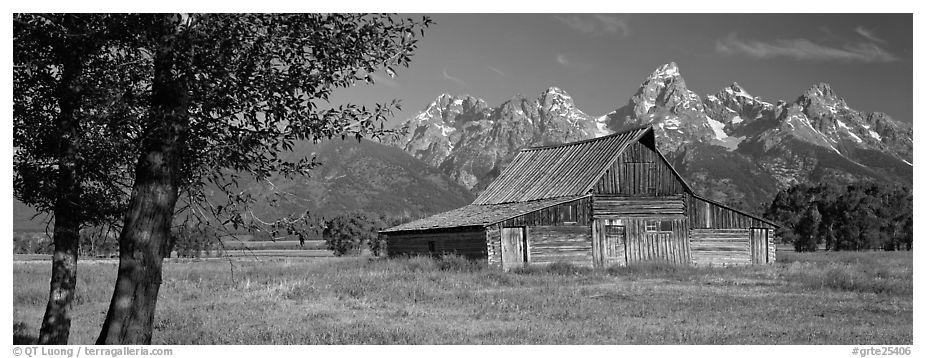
(665, 225)
(651, 225)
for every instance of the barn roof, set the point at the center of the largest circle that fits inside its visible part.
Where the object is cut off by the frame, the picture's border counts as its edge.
(558, 170)
(772, 223)
(480, 215)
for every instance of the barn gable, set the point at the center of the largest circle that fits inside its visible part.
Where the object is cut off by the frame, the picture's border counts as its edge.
(641, 170)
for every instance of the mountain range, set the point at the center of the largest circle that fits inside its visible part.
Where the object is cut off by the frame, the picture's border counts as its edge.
(730, 146)
(354, 176)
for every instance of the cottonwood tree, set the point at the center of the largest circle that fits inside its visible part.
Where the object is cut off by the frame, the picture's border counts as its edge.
(76, 99)
(228, 93)
(855, 216)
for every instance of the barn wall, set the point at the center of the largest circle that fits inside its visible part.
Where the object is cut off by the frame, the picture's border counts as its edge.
(493, 242)
(549, 244)
(669, 244)
(639, 171)
(557, 233)
(720, 247)
(639, 244)
(703, 214)
(772, 246)
(469, 242)
(609, 206)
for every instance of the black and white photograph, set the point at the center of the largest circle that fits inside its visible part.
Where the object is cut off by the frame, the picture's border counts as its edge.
(481, 177)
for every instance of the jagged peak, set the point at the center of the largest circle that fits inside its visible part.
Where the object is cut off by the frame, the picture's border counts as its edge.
(555, 92)
(665, 74)
(820, 89)
(737, 90)
(669, 69)
(446, 98)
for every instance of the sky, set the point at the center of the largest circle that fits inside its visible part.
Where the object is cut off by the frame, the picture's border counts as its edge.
(601, 59)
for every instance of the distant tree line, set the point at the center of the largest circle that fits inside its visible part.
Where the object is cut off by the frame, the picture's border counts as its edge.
(858, 216)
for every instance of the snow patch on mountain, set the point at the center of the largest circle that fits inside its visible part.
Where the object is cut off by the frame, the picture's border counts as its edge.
(445, 130)
(736, 120)
(857, 139)
(717, 127)
(647, 105)
(849, 130)
(601, 126)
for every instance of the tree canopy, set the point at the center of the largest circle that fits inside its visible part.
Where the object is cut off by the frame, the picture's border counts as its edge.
(859, 216)
(119, 116)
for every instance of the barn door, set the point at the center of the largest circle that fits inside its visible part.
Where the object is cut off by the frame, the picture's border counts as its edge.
(651, 246)
(514, 246)
(614, 241)
(758, 245)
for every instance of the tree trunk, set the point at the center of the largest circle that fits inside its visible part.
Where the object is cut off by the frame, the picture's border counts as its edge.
(146, 229)
(56, 324)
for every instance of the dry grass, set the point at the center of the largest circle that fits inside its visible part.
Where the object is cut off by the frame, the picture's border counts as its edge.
(820, 298)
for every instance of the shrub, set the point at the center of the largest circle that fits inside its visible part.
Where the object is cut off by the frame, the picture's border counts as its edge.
(377, 245)
(190, 241)
(347, 234)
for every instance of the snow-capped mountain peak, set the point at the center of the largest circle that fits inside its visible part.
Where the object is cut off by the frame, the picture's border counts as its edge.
(665, 71)
(731, 144)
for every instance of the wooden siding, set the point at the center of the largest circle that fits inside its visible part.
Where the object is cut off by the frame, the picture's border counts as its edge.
(578, 212)
(642, 245)
(470, 243)
(549, 244)
(640, 171)
(620, 207)
(703, 214)
(758, 245)
(720, 247)
(513, 245)
(670, 245)
(772, 246)
(493, 242)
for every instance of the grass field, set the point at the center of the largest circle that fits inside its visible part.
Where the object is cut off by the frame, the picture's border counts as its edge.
(818, 298)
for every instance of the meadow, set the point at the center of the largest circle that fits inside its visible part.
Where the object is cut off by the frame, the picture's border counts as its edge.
(806, 298)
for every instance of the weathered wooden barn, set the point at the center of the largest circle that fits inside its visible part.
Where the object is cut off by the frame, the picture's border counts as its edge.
(613, 200)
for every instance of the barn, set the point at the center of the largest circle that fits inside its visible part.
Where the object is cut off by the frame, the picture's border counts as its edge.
(612, 200)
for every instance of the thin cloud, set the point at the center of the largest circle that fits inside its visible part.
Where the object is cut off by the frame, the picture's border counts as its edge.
(453, 79)
(571, 63)
(868, 34)
(499, 72)
(803, 49)
(597, 24)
